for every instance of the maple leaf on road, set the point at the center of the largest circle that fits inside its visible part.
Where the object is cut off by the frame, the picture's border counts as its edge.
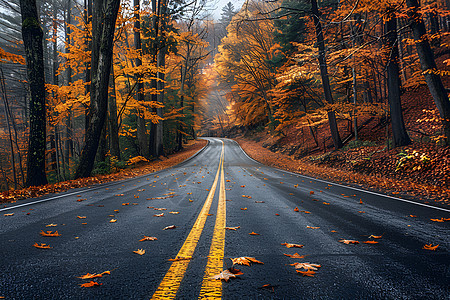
(349, 242)
(90, 284)
(232, 228)
(430, 247)
(306, 266)
(289, 245)
(49, 233)
(309, 273)
(295, 255)
(227, 274)
(139, 251)
(95, 275)
(148, 238)
(245, 260)
(42, 246)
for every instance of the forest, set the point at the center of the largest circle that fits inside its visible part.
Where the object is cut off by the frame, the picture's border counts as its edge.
(92, 87)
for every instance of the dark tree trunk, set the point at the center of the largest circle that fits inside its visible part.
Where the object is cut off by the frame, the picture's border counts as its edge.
(112, 118)
(429, 67)
(141, 122)
(324, 75)
(399, 133)
(32, 39)
(104, 21)
(87, 20)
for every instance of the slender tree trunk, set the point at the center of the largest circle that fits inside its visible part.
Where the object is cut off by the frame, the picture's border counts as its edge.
(324, 74)
(112, 118)
(104, 20)
(429, 67)
(32, 39)
(141, 122)
(401, 137)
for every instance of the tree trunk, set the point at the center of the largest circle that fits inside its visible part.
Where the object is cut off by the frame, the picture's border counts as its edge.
(104, 20)
(32, 39)
(112, 118)
(399, 133)
(324, 75)
(141, 122)
(429, 67)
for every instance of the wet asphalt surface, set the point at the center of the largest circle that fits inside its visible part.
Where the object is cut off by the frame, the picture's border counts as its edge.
(395, 268)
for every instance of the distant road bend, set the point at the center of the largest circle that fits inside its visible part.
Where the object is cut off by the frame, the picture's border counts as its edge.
(358, 244)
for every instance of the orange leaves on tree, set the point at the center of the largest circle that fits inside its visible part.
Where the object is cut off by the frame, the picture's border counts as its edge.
(430, 247)
(49, 233)
(349, 242)
(289, 245)
(245, 260)
(148, 238)
(42, 246)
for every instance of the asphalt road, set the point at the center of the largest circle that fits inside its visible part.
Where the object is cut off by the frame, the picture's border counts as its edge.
(221, 187)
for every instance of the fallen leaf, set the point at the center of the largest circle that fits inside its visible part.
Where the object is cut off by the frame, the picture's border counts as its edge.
(91, 276)
(370, 242)
(170, 227)
(242, 185)
(159, 215)
(9, 215)
(139, 251)
(210, 215)
(360, 201)
(113, 221)
(226, 275)
(277, 214)
(259, 201)
(438, 220)
(161, 208)
(254, 233)
(296, 209)
(180, 258)
(268, 286)
(243, 208)
(430, 247)
(306, 266)
(148, 238)
(118, 195)
(90, 284)
(309, 273)
(361, 211)
(349, 242)
(333, 231)
(326, 203)
(305, 211)
(375, 236)
(174, 212)
(232, 228)
(49, 233)
(128, 203)
(311, 192)
(412, 216)
(289, 245)
(51, 225)
(42, 246)
(295, 255)
(311, 227)
(245, 260)
(81, 217)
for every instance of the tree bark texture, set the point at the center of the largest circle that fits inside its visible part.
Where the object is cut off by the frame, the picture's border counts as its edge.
(112, 118)
(324, 75)
(428, 66)
(104, 21)
(32, 39)
(399, 133)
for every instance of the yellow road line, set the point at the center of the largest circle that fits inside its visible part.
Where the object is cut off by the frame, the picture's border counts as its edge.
(171, 282)
(212, 289)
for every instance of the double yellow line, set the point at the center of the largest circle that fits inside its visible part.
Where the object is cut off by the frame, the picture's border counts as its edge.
(211, 289)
